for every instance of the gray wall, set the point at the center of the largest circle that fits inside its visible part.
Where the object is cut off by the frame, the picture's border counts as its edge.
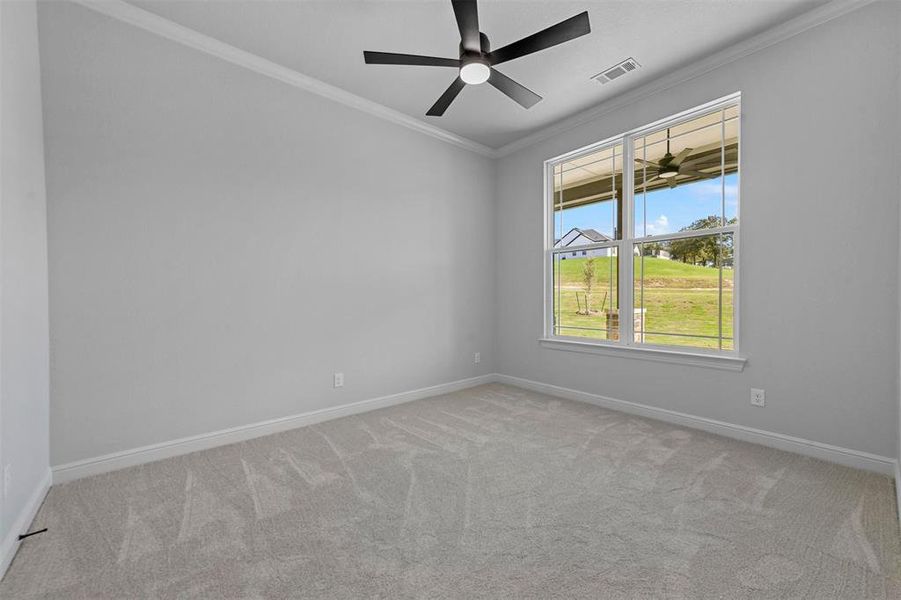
(819, 246)
(24, 394)
(221, 243)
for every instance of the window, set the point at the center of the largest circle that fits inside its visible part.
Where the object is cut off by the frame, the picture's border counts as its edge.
(656, 208)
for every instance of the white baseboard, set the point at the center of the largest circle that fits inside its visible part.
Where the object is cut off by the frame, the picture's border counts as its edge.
(145, 454)
(827, 452)
(898, 490)
(22, 522)
(154, 452)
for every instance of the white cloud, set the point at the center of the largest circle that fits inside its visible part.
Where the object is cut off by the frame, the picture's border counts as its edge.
(659, 226)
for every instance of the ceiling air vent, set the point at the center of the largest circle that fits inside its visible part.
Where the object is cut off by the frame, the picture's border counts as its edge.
(630, 64)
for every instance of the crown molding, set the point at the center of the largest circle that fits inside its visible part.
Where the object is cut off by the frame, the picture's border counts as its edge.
(761, 41)
(128, 13)
(138, 17)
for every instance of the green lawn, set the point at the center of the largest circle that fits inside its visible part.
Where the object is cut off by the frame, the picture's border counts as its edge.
(678, 299)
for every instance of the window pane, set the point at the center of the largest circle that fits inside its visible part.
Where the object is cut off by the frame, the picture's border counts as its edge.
(683, 292)
(588, 198)
(586, 302)
(679, 181)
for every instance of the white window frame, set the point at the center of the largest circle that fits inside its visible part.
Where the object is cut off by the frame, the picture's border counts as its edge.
(627, 346)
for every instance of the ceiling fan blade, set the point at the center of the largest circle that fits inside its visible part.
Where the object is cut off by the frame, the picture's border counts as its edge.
(555, 34)
(392, 58)
(519, 93)
(699, 174)
(677, 160)
(446, 98)
(648, 163)
(467, 13)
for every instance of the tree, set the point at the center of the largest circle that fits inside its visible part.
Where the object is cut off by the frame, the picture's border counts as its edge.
(707, 251)
(588, 272)
(651, 249)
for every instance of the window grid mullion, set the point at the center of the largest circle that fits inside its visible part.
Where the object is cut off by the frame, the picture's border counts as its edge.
(594, 246)
(626, 284)
(682, 235)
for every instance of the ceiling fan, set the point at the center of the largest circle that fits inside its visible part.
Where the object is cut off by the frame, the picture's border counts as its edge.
(668, 167)
(477, 60)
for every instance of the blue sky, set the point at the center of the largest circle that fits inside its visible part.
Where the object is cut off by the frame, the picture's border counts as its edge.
(668, 210)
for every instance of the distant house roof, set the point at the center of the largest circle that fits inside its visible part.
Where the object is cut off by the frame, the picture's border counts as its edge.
(593, 235)
(574, 233)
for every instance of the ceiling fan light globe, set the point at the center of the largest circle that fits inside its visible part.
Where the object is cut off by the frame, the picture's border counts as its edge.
(668, 174)
(475, 73)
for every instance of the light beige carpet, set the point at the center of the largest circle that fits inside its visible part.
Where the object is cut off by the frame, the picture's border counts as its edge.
(493, 492)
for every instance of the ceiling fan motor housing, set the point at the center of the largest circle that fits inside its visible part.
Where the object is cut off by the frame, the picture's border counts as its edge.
(475, 67)
(472, 56)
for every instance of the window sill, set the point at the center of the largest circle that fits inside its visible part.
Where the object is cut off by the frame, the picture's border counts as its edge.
(725, 362)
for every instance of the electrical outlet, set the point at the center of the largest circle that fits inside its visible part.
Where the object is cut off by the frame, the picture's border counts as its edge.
(758, 397)
(477, 357)
(7, 479)
(339, 380)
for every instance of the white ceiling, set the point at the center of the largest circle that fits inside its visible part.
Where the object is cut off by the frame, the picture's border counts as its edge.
(326, 39)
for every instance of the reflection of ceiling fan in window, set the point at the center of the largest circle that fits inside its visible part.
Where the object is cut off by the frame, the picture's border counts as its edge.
(668, 167)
